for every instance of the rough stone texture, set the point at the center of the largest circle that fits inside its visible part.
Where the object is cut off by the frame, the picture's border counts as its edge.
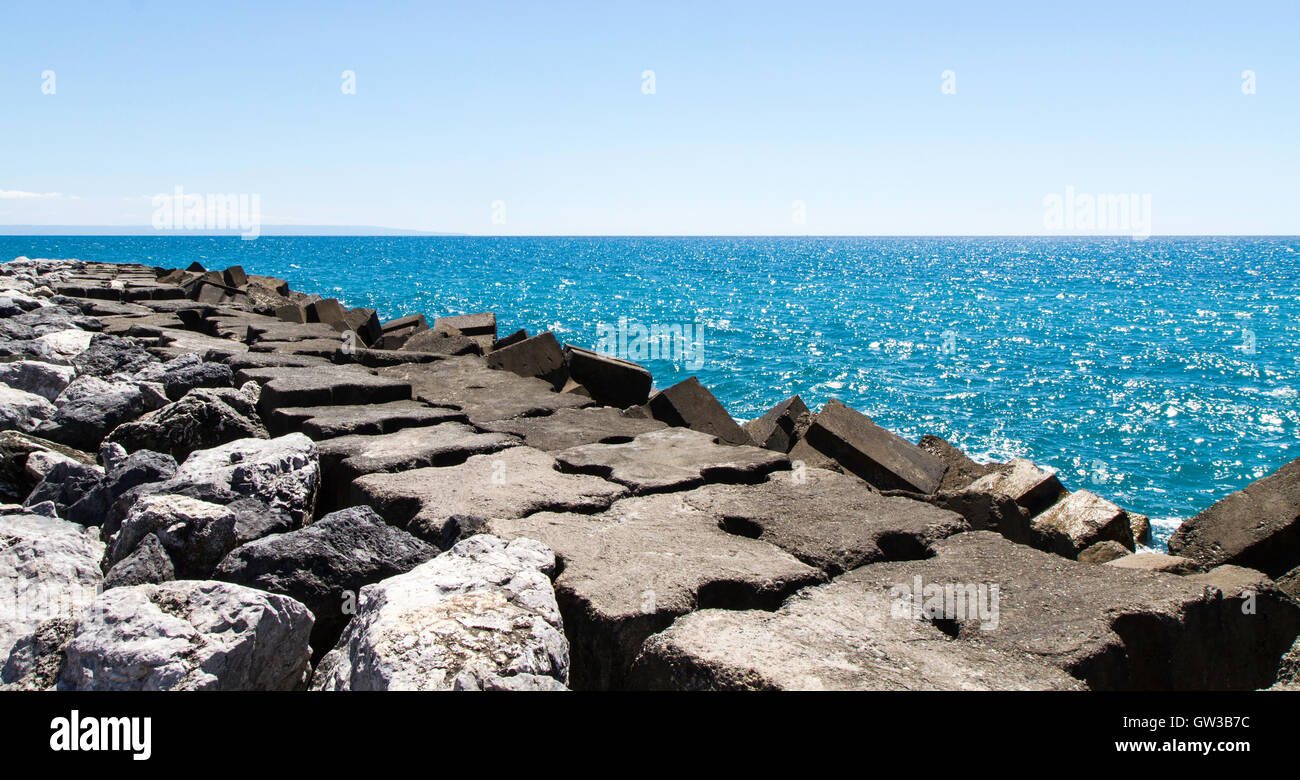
(324, 564)
(482, 616)
(33, 376)
(1079, 521)
(480, 327)
(575, 427)
(182, 379)
(539, 356)
(345, 458)
(325, 422)
(983, 511)
(203, 418)
(628, 572)
(1257, 527)
(36, 658)
(189, 635)
(835, 637)
(1159, 562)
(1104, 552)
(281, 474)
(320, 386)
(89, 408)
(608, 379)
(49, 568)
(440, 505)
(1289, 583)
(832, 521)
(671, 459)
(775, 430)
(688, 404)
(108, 355)
(16, 482)
(1111, 627)
(1033, 488)
(23, 411)
(961, 470)
(483, 394)
(437, 343)
(863, 448)
(138, 468)
(195, 534)
(79, 492)
(148, 564)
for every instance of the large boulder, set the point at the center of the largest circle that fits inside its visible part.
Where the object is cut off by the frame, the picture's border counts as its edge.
(195, 534)
(629, 571)
(34, 376)
(610, 381)
(148, 564)
(16, 482)
(79, 492)
(481, 616)
(203, 418)
(440, 505)
(1033, 488)
(484, 395)
(49, 568)
(688, 404)
(89, 408)
(540, 356)
(189, 635)
(324, 565)
(1258, 526)
(861, 447)
(23, 411)
(960, 469)
(108, 355)
(777, 428)
(1079, 521)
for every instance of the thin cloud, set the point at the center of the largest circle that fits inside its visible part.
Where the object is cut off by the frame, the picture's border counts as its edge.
(21, 195)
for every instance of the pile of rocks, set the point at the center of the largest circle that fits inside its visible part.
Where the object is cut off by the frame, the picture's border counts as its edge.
(216, 482)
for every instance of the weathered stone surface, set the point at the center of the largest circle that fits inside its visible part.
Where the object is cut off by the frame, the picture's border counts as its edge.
(1258, 526)
(439, 343)
(62, 345)
(688, 404)
(575, 427)
(628, 572)
(480, 327)
(539, 356)
(324, 564)
(203, 418)
(89, 408)
(610, 381)
(181, 379)
(1141, 525)
(189, 635)
(481, 616)
(320, 386)
(108, 355)
(33, 376)
(775, 430)
(1104, 552)
(961, 470)
(325, 422)
(23, 411)
(1289, 584)
(671, 459)
(36, 658)
(1169, 564)
(148, 564)
(1079, 521)
(196, 534)
(79, 492)
(983, 511)
(839, 636)
(832, 521)
(513, 338)
(1033, 488)
(49, 568)
(440, 505)
(863, 448)
(406, 326)
(345, 458)
(483, 394)
(1111, 627)
(16, 482)
(365, 322)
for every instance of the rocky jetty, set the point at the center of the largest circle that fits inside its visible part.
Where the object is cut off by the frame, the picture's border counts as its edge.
(214, 482)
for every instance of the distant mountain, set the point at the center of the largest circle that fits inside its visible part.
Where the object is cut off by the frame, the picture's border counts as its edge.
(266, 230)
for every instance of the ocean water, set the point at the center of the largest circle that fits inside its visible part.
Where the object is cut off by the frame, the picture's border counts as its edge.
(1162, 374)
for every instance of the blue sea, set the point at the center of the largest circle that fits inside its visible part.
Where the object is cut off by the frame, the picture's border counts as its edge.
(1162, 374)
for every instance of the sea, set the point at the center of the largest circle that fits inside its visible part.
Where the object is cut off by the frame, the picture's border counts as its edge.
(1161, 373)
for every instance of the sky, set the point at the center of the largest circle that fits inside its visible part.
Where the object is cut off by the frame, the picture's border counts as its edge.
(853, 118)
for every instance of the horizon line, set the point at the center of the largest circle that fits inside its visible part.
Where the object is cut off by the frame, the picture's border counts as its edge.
(368, 231)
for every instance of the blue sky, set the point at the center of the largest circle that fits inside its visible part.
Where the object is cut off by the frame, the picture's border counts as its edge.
(756, 106)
